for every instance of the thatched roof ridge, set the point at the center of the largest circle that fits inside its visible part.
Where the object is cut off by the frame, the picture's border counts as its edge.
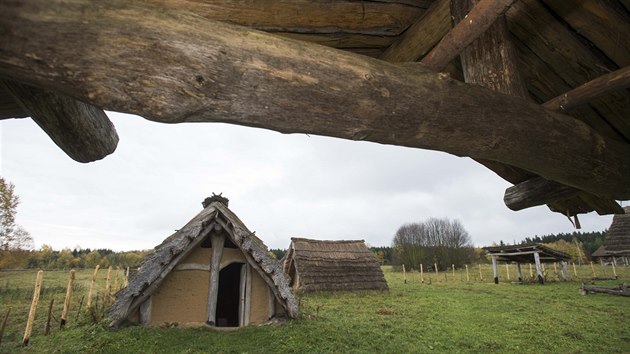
(333, 265)
(157, 265)
(617, 241)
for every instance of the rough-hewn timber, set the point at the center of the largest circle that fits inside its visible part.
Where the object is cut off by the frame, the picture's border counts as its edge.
(82, 131)
(175, 67)
(477, 21)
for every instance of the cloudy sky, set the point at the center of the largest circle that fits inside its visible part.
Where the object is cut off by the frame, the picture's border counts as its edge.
(281, 186)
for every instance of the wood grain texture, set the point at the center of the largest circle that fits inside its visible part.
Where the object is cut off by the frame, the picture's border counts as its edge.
(427, 31)
(465, 32)
(175, 67)
(82, 131)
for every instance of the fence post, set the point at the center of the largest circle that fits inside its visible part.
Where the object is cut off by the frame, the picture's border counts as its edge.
(453, 266)
(404, 274)
(574, 270)
(89, 299)
(47, 330)
(33, 310)
(66, 303)
(507, 271)
(467, 276)
(614, 269)
(480, 273)
(421, 274)
(4, 324)
(437, 274)
(108, 287)
(593, 269)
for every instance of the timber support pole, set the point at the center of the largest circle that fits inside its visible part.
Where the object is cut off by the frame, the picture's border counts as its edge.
(217, 240)
(539, 272)
(495, 269)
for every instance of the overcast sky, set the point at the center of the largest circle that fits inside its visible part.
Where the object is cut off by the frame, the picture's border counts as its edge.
(281, 186)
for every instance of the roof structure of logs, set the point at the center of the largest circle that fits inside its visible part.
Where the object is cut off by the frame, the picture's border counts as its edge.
(535, 90)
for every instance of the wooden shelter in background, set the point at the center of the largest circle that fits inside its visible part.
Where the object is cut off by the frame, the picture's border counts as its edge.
(535, 90)
(520, 254)
(318, 265)
(213, 271)
(617, 241)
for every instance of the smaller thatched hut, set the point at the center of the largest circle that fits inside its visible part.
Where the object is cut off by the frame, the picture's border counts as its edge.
(617, 241)
(213, 271)
(315, 265)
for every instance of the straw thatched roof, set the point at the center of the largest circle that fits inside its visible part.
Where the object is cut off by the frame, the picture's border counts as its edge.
(215, 216)
(617, 240)
(316, 265)
(600, 252)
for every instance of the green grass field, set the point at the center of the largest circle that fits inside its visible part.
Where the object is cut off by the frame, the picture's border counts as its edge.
(448, 315)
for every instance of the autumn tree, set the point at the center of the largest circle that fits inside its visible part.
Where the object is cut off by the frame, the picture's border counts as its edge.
(12, 236)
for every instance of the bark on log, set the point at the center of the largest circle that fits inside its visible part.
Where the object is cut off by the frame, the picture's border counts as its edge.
(82, 131)
(175, 67)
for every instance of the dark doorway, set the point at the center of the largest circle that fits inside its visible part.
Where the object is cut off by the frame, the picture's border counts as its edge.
(229, 296)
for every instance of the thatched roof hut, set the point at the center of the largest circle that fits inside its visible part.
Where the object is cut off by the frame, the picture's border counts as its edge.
(212, 271)
(316, 265)
(617, 240)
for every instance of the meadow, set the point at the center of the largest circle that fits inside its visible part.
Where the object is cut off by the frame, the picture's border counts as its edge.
(449, 312)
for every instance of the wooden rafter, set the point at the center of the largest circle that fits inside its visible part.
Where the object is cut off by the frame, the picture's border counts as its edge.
(465, 32)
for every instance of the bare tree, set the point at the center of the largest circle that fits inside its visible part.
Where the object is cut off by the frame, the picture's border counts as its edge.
(440, 241)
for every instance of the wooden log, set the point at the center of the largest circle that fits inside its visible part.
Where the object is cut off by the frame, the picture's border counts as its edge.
(49, 317)
(616, 80)
(418, 39)
(4, 324)
(33, 310)
(519, 274)
(602, 22)
(219, 72)
(82, 131)
(66, 302)
(92, 285)
(495, 270)
(536, 191)
(145, 311)
(539, 269)
(621, 290)
(8, 107)
(465, 32)
(217, 240)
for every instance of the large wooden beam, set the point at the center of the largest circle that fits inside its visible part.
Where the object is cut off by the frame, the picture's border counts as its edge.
(465, 32)
(82, 131)
(176, 67)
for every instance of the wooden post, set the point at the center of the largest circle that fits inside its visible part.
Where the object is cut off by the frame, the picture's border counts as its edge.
(33, 310)
(126, 278)
(467, 275)
(519, 274)
(453, 266)
(531, 272)
(404, 274)
(614, 269)
(66, 303)
(116, 275)
(507, 271)
(539, 272)
(480, 273)
(80, 305)
(92, 284)
(421, 274)
(574, 271)
(593, 269)
(565, 276)
(4, 324)
(47, 330)
(108, 287)
(437, 274)
(555, 267)
(217, 239)
(495, 270)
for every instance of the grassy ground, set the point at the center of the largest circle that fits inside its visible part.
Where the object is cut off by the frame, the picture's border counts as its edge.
(448, 315)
